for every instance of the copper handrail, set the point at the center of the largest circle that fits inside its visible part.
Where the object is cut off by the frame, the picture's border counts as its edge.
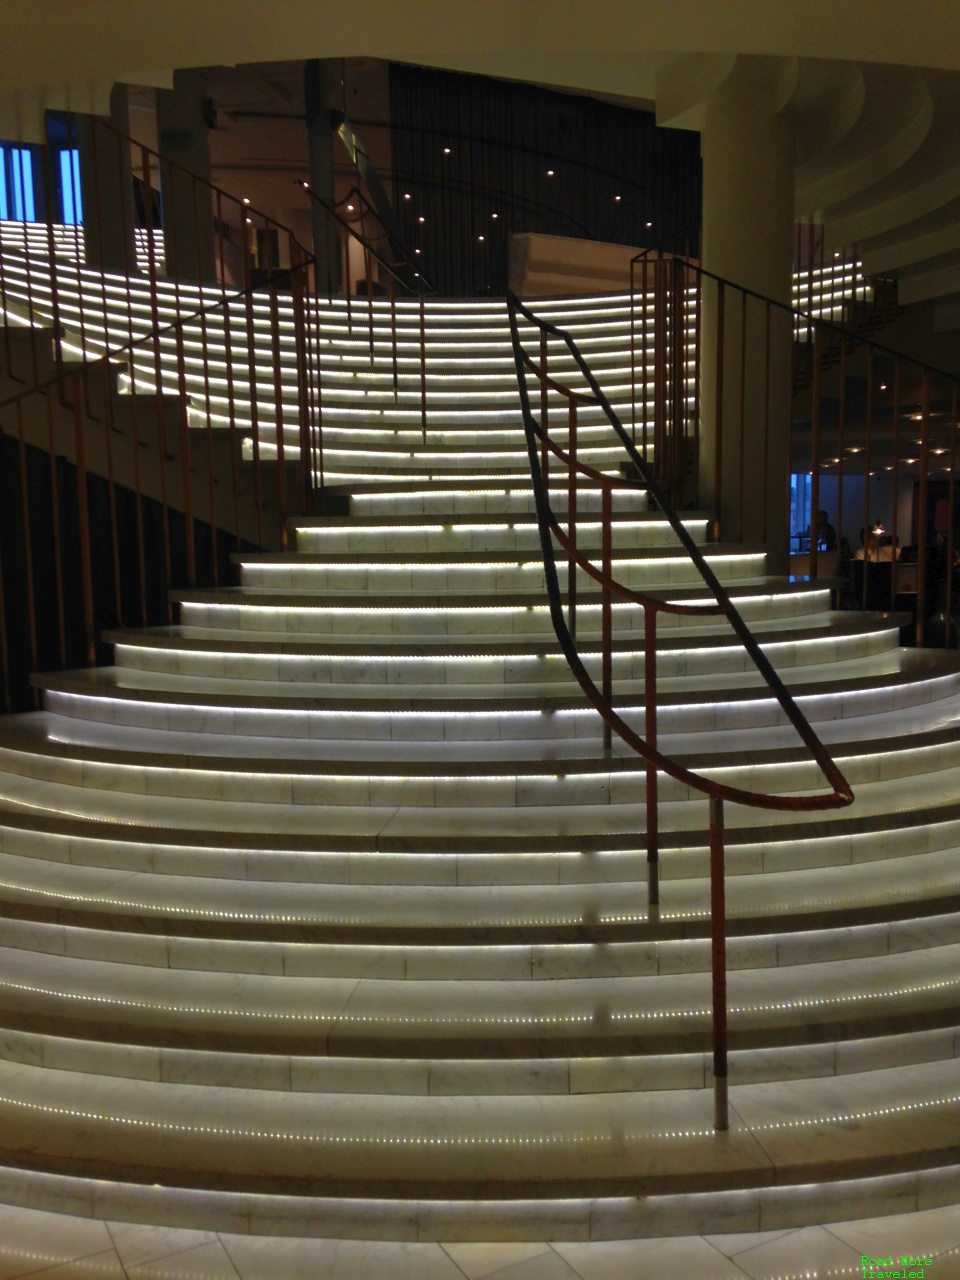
(540, 448)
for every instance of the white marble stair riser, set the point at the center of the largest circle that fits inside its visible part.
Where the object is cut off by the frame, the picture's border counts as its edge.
(467, 669)
(439, 500)
(651, 1142)
(511, 962)
(487, 577)
(490, 537)
(557, 783)
(622, 1073)
(542, 807)
(552, 865)
(232, 616)
(833, 908)
(876, 994)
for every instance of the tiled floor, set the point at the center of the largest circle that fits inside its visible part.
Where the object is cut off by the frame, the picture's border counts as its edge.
(54, 1247)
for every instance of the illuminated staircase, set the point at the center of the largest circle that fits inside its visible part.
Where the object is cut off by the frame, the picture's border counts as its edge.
(324, 911)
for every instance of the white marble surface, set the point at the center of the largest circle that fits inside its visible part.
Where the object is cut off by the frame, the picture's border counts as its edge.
(49, 1246)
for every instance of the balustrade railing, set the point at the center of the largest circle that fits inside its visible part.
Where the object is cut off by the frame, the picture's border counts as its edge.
(726, 405)
(543, 449)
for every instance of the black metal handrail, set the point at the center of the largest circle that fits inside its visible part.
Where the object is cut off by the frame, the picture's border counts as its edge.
(841, 793)
(539, 448)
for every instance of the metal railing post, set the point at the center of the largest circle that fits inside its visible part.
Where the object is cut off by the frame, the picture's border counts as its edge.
(606, 611)
(718, 952)
(650, 732)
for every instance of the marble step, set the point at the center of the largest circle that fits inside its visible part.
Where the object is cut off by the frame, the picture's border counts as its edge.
(202, 1001)
(445, 1077)
(655, 1143)
(894, 682)
(511, 663)
(538, 881)
(366, 534)
(476, 497)
(475, 572)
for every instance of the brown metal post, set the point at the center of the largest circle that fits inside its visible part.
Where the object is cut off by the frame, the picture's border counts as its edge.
(298, 287)
(766, 421)
(697, 350)
(633, 348)
(951, 497)
(718, 935)
(252, 383)
(816, 395)
(743, 412)
(922, 503)
(278, 417)
(55, 521)
(423, 366)
(896, 472)
(718, 432)
(606, 611)
(83, 515)
(27, 545)
(867, 460)
(572, 518)
(841, 432)
(650, 732)
(544, 410)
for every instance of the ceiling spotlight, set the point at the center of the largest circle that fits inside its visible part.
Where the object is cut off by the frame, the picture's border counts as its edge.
(406, 195)
(549, 173)
(648, 224)
(421, 218)
(349, 208)
(246, 199)
(494, 215)
(836, 253)
(248, 220)
(883, 386)
(616, 197)
(446, 151)
(416, 251)
(479, 237)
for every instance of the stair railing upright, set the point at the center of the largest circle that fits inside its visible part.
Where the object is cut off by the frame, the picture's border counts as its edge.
(70, 329)
(401, 270)
(541, 447)
(873, 430)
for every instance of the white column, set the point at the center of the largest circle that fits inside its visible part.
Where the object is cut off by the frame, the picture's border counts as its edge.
(748, 220)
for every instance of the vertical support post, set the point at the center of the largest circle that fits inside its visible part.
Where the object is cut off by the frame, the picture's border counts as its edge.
(867, 460)
(766, 422)
(741, 449)
(572, 518)
(544, 411)
(718, 429)
(606, 611)
(922, 502)
(633, 349)
(896, 476)
(650, 732)
(951, 497)
(816, 394)
(301, 347)
(646, 358)
(83, 515)
(279, 417)
(718, 934)
(697, 369)
(423, 365)
(841, 437)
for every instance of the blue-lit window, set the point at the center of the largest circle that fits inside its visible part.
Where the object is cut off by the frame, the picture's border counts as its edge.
(799, 510)
(17, 199)
(70, 187)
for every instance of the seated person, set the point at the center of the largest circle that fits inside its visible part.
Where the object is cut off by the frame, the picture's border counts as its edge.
(826, 533)
(872, 550)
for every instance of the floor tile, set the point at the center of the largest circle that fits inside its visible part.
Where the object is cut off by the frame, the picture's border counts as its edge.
(137, 1243)
(649, 1260)
(810, 1250)
(31, 1240)
(477, 1261)
(206, 1262)
(270, 1259)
